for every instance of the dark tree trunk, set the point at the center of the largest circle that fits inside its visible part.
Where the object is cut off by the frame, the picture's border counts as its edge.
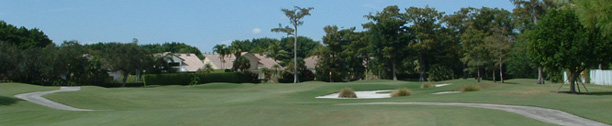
(422, 67)
(478, 77)
(125, 76)
(494, 80)
(572, 80)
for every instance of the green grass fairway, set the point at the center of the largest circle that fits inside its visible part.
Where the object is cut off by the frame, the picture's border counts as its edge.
(294, 104)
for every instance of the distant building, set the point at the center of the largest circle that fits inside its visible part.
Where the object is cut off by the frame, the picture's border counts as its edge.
(183, 62)
(311, 63)
(258, 61)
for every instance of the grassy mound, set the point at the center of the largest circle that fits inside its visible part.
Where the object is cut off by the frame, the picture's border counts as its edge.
(347, 93)
(401, 92)
(470, 87)
(427, 85)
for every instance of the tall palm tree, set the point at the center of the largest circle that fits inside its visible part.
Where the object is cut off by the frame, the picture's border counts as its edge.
(222, 50)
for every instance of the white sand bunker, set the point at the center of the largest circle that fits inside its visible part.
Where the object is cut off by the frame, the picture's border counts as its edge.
(440, 85)
(362, 95)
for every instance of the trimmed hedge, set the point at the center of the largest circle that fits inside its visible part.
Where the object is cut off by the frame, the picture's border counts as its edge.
(186, 78)
(304, 75)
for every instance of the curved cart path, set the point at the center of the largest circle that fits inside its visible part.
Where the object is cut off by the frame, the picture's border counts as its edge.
(35, 97)
(542, 114)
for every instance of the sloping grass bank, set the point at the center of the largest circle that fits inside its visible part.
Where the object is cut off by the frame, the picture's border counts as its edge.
(294, 104)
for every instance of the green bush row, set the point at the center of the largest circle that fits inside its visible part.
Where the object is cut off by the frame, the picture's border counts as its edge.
(188, 78)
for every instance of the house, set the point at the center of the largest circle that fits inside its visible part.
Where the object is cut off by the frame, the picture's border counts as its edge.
(184, 62)
(311, 63)
(258, 61)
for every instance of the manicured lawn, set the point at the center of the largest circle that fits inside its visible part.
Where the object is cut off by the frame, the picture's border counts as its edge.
(294, 104)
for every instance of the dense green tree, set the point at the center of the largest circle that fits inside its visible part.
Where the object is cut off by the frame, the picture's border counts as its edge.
(305, 48)
(160, 64)
(8, 57)
(71, 61)
(277, 52)
(426, 27)
(561, 42)
(173, 47)
(340, 60)
(483, 29)
(519, 64)
(456, 25)
(500, 39)
(526, 15)
(295, 16)
(239, 46)
(386, 32)
(95, 72)
(476, 54)
(241, 64)
(260, 45)
(500, 43)
(595, 14)
(22, 37)
(125, 58)
(34, 65)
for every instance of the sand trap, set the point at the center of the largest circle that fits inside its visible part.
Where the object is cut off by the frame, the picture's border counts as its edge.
(440, 85)
(447, 92)
(361, 95)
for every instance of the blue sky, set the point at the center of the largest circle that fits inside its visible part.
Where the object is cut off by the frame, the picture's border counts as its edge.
(201, 23)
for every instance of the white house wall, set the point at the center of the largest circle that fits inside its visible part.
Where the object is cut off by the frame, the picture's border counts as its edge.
(601, 77)
(598, 77)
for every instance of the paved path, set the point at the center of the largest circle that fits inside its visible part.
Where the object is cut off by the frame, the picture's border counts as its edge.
(35, 97)
(542, 114)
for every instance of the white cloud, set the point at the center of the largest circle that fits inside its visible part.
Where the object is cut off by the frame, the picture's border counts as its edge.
(256, 30)
(226, 42)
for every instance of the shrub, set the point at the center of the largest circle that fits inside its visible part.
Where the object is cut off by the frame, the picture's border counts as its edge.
(401, 92)
(194, 79)
(188, 78)
(438, 72)
(167, 79)
(427, 85)
(304, 75)
(347, 93)
(470, 87)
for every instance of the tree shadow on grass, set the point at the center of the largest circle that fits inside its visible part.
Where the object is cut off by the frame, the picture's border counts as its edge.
(4, 101)
(588, 93)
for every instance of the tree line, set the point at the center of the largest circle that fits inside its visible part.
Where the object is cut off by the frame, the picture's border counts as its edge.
(29, 56)
(427, 45)
(484, 43)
